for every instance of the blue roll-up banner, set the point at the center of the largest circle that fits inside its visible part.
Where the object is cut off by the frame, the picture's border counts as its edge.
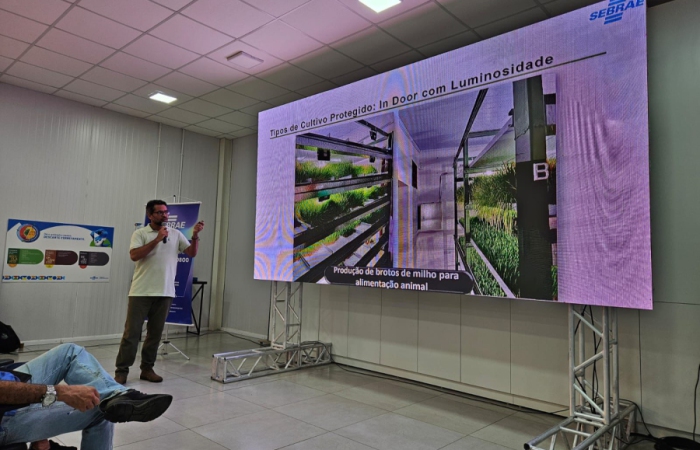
(183, 217)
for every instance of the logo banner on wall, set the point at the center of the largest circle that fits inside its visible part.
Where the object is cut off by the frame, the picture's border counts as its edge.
(183, 217)
(56, 252)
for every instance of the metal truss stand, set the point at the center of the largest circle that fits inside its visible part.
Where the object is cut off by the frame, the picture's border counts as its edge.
(596, 420)
(286, 351)
(166, 342)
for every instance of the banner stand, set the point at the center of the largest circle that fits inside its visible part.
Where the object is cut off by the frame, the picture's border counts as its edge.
(166, 342)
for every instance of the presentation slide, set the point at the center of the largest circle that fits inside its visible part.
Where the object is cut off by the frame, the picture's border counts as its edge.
(516, 167)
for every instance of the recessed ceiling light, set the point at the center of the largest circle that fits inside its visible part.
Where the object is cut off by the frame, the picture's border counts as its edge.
(380, 5)
(244, 59)
(160, 97)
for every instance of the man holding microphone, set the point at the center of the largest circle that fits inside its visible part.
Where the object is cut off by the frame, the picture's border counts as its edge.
(154, 248)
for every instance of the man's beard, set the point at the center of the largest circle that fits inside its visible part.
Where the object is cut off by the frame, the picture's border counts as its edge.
(158, 223)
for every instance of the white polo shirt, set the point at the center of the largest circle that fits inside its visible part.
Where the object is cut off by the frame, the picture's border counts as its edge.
(154, 275)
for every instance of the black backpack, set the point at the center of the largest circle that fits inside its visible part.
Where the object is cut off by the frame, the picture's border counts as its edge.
(9, 342)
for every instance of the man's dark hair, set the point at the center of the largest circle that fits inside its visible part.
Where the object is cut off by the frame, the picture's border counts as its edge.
(151, 206)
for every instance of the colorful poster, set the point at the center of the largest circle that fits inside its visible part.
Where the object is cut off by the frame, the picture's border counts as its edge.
(183, 217)
(56, 252)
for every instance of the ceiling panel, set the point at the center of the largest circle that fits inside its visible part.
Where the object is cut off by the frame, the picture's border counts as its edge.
(505, 25)
(352, 77)
(125, 110)
(203, 107)
(11, 48)
(431, 19)
(97, 28)
(44, 11)
(18, 27)
(281, 40)
(451, 43)
(160, 52)
(175, 5)
(371, 46)
(200, 130)
(149, 89)
(166, 121)
(268, 61)
(239, 118)
(480, 12)
(93, 90)
(564, 6)
(290, 77)
(232, 17)
(276, 7)
(397, 61)
(135, 67)
(71, 45)
(80, 98)
(229, 99)
(187, 84)
(141, 103)
(191, 35)
(149, 14)
(372, 16)
(278, 101)
(54, 61)
(257, 89)
(113, 79)
(219, 125)
(314, 89)
(213, 72)
(183, 116)
(326, 20)
(38, 75)
(326, 63)
(21, 82)
(253, 110)
(5, 63)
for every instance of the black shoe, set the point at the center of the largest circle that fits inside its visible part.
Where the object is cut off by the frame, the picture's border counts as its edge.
(135, 406)
(57, 446)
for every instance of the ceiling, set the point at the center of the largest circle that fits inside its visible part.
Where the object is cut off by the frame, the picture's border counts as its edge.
(114, 53)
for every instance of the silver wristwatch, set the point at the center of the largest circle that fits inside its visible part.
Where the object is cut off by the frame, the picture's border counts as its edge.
(50, 397)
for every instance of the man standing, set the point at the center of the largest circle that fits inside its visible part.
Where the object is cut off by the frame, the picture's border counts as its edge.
(154, 248)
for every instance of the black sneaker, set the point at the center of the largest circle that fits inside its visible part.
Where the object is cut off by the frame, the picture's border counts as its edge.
(135, 406)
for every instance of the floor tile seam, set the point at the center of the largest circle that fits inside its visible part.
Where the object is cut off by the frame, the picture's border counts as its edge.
(353, 440)
(448, 396)
(155, 437)
(463, 435)
(325, 429)
(454, 431)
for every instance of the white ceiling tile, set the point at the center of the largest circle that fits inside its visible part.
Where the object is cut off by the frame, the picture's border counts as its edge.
(113, 79)
(219, 125)
(204, 131)
(290, 77)
(480, 12)
(53, 61)
(564, 6)
(20, 28)
(370, 15)
(326, 63)
(136, 67)
(187, 117)
(205, 108)
(268, 61)
(140, 14)
(451, 43)
(276, 7)
(326, 20)
(281, 40)
(191, 35)
(352, 77)
(239, 118)
(38, 75)
(398, 61)
(11, 48)
(282, 100)
(170, 122)
(187, 84)
(432, 21)
(125, 110)
(229, 99)
(27, 84)
(160, 52)
(370, 46)
(77, 47)
(213, 72)
(323, 86)
(142, 104)
(511, 23)
(257, 88)
(93, 90)
(149, 89)
(5, 63)
(243, 132)
(44, 11)
(262, 106)
(80, 98)
(96, 28)
(232, 17)
(175, 5)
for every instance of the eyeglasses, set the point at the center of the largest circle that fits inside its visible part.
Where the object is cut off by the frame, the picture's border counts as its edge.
(161, 213)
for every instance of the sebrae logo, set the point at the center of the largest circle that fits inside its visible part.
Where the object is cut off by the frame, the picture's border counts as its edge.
(615, 9)
(28, 233)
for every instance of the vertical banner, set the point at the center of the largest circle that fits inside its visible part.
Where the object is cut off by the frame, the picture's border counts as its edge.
(183, 217)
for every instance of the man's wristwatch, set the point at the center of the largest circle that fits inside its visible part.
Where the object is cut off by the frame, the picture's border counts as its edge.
(195, 238)
(50, 397)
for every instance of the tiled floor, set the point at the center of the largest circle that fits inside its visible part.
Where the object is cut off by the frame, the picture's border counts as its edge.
(325, 407)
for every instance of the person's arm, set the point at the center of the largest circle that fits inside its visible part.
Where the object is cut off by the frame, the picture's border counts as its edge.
(143, 251)
(191, 251)
(79, 397)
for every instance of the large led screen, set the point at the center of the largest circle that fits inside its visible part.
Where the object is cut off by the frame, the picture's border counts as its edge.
(516, 167)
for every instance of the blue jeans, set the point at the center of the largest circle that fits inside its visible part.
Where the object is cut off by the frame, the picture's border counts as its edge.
(74, 365)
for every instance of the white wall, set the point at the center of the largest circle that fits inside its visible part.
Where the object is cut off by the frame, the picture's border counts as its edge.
(512, 350)
(64, 161)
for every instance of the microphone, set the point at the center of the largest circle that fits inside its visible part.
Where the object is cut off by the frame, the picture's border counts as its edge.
(165, 240)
